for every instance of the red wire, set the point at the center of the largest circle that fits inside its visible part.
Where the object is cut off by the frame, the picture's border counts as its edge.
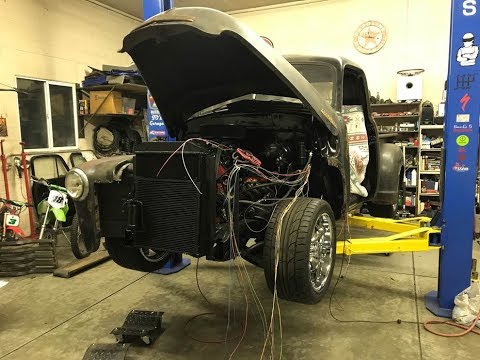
(208, 341)
(218, 312)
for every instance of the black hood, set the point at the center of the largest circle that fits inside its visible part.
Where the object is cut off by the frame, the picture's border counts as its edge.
(193, 58)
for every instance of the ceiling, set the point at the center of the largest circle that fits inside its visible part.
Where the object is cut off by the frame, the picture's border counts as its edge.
(134, 7)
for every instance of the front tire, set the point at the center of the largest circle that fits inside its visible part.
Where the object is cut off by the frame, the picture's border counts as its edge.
(307, 248)
(145, 260)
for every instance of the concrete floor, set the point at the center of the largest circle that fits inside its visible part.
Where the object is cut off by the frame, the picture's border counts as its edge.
(44, 317)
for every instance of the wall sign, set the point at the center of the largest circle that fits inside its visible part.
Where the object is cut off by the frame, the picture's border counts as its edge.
(156, 127)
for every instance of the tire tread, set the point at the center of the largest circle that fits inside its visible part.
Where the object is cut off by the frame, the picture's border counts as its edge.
(293, 281)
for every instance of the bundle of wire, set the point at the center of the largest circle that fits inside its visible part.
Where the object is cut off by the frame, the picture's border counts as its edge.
(295, 181)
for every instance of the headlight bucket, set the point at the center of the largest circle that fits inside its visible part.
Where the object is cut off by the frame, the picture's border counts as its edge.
(76, 183)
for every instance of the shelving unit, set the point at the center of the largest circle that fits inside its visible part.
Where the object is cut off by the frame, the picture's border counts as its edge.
(401, 121)
(431, 127)
(118, 130)
(114, 115)
(399, 117)
(429, 157)
(417, 151)
(399, 132)
(128, 88)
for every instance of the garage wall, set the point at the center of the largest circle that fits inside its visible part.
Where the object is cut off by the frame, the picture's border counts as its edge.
(418, 36)
(54, 40)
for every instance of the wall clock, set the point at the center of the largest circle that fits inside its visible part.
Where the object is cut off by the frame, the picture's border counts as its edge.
(370, 37)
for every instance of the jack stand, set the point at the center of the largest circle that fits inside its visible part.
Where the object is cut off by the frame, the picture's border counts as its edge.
(174, 265)
(140, 326)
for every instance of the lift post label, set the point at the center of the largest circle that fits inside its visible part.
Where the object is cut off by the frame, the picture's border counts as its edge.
(461, 151)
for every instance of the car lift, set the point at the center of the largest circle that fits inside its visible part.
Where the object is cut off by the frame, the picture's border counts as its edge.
(152, 8)
(412, 234)
(461, 141)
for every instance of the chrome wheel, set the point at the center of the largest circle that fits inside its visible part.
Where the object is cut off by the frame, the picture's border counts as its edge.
(153, 256)
(321, 252)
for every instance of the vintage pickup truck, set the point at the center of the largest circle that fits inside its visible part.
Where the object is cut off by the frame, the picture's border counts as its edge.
(270, 151)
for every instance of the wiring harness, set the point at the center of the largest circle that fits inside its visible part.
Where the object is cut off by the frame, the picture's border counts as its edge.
(263, 190)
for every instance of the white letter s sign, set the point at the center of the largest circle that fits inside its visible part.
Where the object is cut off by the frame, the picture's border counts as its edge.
(469, 7)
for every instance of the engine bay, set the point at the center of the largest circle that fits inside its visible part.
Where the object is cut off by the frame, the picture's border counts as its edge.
(263, 159)
(231, 171)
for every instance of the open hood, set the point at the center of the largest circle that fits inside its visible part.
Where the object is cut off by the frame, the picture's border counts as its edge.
(193, 58)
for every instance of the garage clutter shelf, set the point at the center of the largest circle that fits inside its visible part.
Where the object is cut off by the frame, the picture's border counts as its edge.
(401, 120)
(114, 109)
(422, 149)
(431, 143)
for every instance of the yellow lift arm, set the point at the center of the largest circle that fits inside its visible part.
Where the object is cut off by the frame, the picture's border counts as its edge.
(413, 234)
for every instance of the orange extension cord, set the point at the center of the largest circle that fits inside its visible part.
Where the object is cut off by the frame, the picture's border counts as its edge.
(468, 329)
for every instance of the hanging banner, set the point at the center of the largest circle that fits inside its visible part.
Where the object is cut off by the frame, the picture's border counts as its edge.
(157, 130)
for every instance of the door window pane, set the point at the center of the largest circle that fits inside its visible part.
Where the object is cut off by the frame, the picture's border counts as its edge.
(63, 124)
(33, 119)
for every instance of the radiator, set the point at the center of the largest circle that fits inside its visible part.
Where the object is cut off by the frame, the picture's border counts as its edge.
(176, 217)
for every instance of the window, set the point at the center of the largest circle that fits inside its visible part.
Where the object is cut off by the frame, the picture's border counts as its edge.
(48, 114)
(322, 77)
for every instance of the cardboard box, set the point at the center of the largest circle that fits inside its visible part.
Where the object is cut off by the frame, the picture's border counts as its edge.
(113, 104)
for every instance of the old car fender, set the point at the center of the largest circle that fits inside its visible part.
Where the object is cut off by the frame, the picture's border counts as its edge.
(390, 167)
(105, 170)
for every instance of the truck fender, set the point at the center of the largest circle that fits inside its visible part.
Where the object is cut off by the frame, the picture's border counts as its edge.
(390, 174)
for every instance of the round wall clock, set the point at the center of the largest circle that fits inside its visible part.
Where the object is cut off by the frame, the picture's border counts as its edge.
(370, 37)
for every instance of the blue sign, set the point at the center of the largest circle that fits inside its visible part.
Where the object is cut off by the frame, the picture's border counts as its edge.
(155, 7)
(156, 127)
(461, 154)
